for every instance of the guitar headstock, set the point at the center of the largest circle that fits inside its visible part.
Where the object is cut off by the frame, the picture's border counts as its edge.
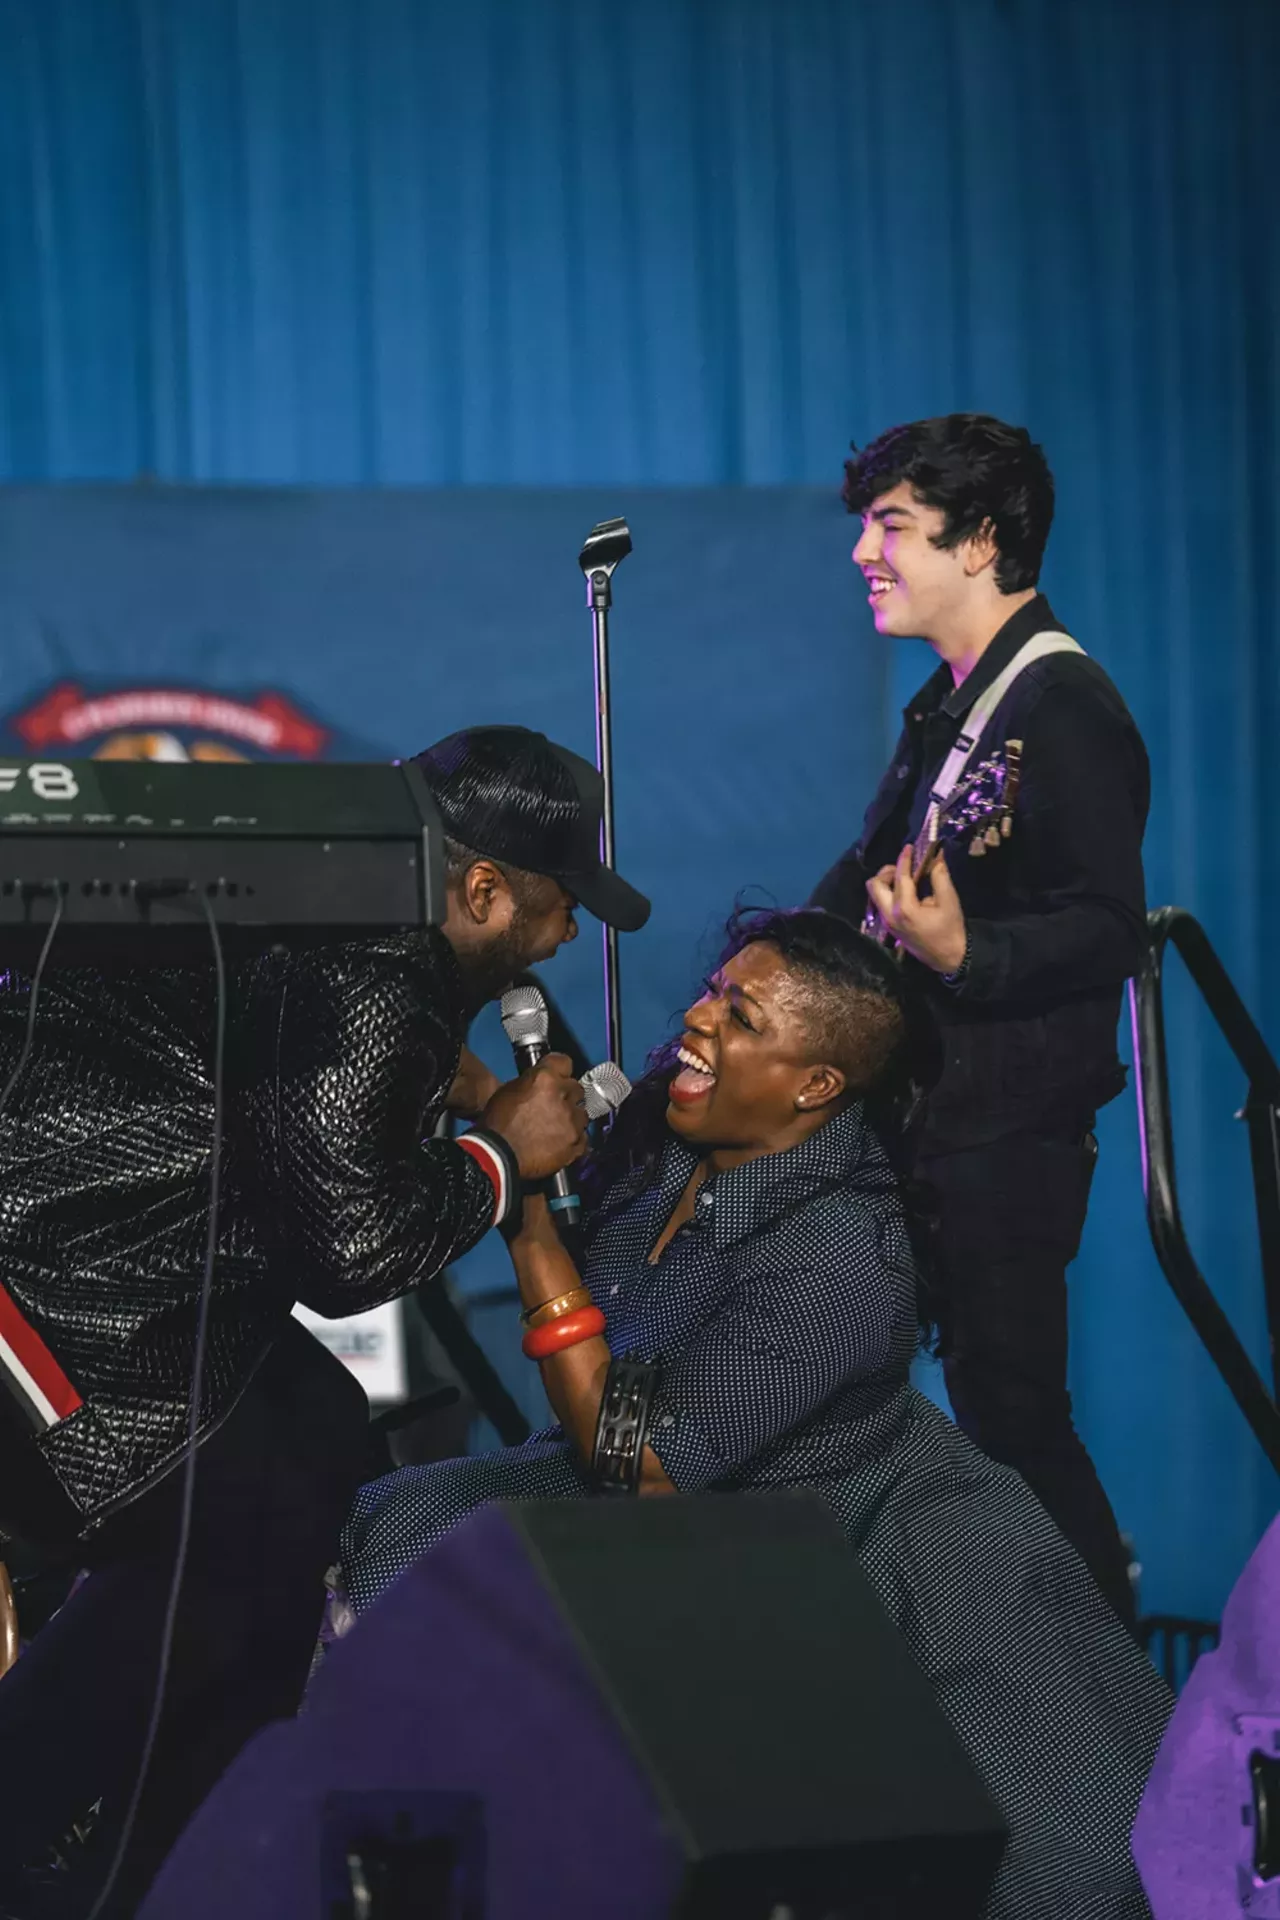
(980, 808)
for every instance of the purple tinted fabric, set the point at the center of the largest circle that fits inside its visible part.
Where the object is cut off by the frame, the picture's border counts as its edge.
(1190, 1840)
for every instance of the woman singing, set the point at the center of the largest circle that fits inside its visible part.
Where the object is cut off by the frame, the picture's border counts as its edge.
(749, 1258)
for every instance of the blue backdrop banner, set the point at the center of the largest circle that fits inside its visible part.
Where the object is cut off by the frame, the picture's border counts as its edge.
(748, 723)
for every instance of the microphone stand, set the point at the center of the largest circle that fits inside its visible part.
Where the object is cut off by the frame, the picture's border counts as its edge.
(605, 546)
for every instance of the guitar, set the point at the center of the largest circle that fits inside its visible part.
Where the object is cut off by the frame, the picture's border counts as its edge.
(979, 808)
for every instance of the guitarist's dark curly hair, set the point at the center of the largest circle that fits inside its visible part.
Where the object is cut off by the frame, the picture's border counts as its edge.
(978, 471)
(866, 1018)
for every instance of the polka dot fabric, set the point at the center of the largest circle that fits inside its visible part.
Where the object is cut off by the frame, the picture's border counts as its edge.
(783, 1319)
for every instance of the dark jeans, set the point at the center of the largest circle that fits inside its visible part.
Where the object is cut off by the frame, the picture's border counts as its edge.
(272, 1489)
(1012, 1213)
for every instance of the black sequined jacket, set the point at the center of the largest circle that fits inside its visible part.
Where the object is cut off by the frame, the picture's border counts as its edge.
(337, 1062)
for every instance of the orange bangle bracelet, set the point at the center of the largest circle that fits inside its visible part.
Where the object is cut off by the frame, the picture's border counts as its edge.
(571, 1328)
(554, 1309)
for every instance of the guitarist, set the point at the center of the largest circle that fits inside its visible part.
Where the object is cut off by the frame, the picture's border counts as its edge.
(1023, 950)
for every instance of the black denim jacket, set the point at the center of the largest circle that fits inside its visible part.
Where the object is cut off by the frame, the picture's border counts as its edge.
(1056, 913)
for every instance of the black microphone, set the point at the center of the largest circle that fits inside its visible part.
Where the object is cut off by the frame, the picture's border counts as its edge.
(526, 1022)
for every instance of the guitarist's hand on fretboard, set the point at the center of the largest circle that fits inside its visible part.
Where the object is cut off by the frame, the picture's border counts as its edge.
(932, 929)
(978, 812)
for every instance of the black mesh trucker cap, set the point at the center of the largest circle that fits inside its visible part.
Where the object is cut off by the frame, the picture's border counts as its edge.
(515, 795)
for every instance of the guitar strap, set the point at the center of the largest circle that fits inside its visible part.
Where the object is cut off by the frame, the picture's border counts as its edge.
(979, 715)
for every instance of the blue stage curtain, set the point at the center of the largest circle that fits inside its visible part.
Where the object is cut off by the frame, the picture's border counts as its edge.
(375, 241)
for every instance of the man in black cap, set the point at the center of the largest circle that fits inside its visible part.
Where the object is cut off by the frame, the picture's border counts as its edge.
(516, 878)
(334, 1191)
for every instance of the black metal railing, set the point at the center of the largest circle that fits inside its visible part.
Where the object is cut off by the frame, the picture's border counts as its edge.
(1174, 1644)
(1261, 1112)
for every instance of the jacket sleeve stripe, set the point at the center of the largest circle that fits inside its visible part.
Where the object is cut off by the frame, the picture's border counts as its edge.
(34, 1378)
(498, 1162)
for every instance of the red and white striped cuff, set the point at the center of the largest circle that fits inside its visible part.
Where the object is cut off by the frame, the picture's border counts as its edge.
(491, 1151)
(35, 1382)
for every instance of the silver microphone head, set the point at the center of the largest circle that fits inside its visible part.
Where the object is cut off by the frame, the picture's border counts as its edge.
(524, 1016)
(606, 1087)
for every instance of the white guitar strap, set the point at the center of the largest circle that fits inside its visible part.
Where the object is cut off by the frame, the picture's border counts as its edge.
(979, 715)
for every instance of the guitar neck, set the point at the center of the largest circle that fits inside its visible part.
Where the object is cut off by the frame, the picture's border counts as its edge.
(924, 851)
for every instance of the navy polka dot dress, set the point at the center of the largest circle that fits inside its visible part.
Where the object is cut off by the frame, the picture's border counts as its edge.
(783, 1319)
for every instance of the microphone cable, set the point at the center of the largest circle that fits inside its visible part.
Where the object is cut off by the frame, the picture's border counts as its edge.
(37, 976)
(193, 1422)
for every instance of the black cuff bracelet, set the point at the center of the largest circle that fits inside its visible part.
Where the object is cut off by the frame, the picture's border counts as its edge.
(961, 974)
(620, 1430)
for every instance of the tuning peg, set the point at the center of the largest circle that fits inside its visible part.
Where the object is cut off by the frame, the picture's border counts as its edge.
(1006, 826)
(992, 836)
(977, 847)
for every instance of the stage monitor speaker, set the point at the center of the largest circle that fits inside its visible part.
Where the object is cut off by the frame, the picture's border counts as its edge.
(689, 1707)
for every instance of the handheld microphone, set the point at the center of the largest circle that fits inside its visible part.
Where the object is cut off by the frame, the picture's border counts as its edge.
(606, 1087)
(526, 1022)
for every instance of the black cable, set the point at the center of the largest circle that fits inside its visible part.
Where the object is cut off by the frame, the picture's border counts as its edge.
(193, 1423)
(29, 1042)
